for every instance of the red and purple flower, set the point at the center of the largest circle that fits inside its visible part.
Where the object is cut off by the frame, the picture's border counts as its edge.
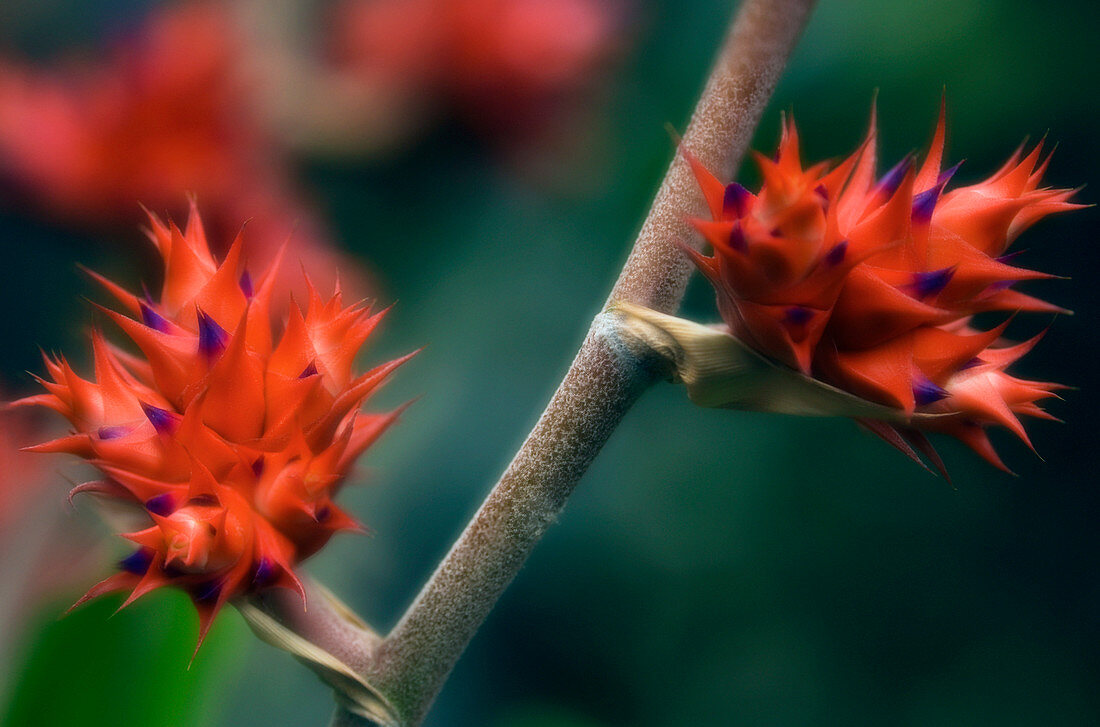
(233, 443)
(869, 283)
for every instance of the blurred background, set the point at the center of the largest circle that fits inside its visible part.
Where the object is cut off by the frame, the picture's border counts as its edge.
(485, 163)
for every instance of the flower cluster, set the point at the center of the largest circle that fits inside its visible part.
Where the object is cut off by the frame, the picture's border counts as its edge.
(234, 444)
(870, 283)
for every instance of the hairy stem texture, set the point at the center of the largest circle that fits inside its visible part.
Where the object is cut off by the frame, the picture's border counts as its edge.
(411, 664)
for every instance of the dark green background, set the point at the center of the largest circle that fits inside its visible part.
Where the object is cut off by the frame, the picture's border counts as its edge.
(713, 568)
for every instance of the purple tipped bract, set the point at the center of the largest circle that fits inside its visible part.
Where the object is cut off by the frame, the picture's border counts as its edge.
(212, 337)
(924, 204)
(162, 420)
(163, 504)
(836, 255)
(113, 432)
(737, 238)
(927, 392)
(798, 315)
(154, 320)
(735, 203)
(929, 283)
(137, 562)
(892, 179)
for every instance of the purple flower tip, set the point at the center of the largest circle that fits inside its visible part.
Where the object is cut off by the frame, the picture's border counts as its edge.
(945, 175)
(737, 238)
(212, 337)
(163, 504)
(137, 562)
(971, 363)
(892, 179)
(207, 592)
(924, 204)
(835, 256)
(265, 572)
(258, 466)
(798, 315)
(736, 201)
(932, 282)
(927, 392)
(246, 284)
(162, 420)
(308, 371)
(113, 432)
(153, 319)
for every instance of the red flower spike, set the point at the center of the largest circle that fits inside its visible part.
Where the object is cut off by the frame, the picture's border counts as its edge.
(233, 447)
(869, 285)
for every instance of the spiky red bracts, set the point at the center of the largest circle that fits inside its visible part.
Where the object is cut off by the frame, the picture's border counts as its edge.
(234, 444)
(868, 283)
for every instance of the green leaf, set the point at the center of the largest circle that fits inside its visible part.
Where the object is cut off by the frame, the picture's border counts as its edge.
(131, 668)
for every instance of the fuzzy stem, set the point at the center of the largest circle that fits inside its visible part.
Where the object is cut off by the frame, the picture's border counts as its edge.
(600, 386)
(321, 623)
(755, 51)
(411, 664)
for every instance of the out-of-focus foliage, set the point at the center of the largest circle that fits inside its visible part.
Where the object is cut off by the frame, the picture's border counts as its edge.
(92, 668)
(712, 568)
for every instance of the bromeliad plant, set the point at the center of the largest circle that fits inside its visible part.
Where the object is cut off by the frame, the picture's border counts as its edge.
(853, 295)
(231, 443)
(841, 294)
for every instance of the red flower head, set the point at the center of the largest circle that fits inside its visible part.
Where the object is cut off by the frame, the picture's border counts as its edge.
(232, 443)
(869, 283)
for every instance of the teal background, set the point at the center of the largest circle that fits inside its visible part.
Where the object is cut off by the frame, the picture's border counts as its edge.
(713, 568)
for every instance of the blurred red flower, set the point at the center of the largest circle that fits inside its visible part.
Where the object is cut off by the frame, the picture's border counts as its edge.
(170, 110)
(511, 66)
(232, 444)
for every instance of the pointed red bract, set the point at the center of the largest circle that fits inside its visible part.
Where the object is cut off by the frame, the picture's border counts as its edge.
(233, 444)
(870, 285)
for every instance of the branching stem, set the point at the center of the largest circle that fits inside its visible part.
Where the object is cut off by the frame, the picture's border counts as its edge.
(410, 665)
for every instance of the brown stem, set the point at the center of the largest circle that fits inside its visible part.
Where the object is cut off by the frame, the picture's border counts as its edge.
(415, 659)
(600, 386)
(755, 51)
(322, 623)
(411, 664)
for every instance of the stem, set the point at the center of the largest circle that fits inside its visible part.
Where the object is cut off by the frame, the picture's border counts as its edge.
(321, 623)
(600, 386)
(752, 57)
(411, 664)
(415, 659)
